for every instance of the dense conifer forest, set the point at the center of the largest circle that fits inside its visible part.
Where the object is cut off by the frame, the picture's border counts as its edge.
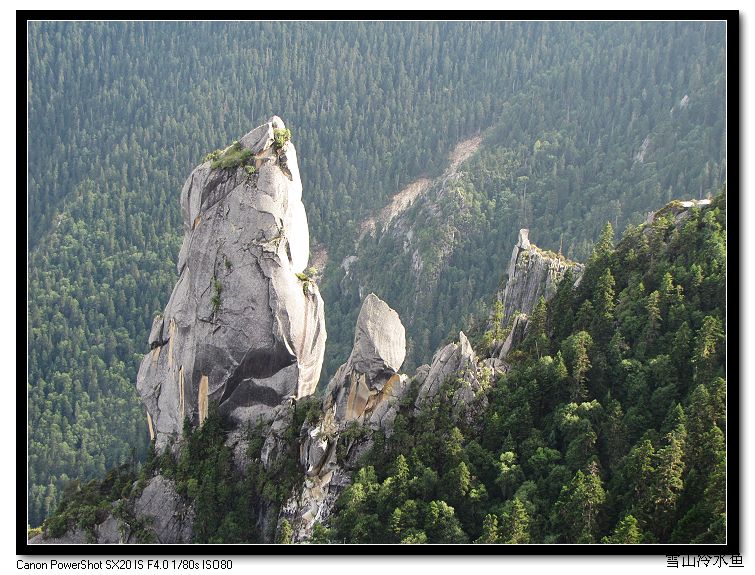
(609, 426)
(582, 123)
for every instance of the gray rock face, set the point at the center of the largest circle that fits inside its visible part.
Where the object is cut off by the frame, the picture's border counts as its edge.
(75, 536)
(532, 273)
(156, 333)
(275, 444)
(314, 503)
(458, 364)
(371, 372)
(384, 413)
(495, 365)
(240, 328)
(420, 375)
(366, 391)
(452, 359)
(315, 451)
(379, 341)
(171, 519)
(463, 399)
(515, 338)
(165, 514)
(109, 531)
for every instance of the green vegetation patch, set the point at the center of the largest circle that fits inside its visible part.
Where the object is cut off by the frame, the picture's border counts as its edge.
(306, 282)
(280, 137)
(87, 506)
(232, 157)
(218, 289)
(227, 503)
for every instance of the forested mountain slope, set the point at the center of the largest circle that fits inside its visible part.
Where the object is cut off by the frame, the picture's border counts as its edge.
(626, 116)
(600, 419)
(608, 134)
(609, 424)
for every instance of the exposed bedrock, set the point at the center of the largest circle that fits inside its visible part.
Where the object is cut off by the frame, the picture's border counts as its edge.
(533, 273)
(243, 326)
(370, 376)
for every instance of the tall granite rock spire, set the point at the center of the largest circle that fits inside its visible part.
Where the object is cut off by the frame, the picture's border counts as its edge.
(243, 327)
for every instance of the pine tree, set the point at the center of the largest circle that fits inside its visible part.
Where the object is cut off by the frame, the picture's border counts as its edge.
(585, 315)
(613, 432)
(537, 338)
(603, 303)
(561, 308)
(667, 481)
(627, 531)
(441, 524)
(285, 532)
(653, 318)
(320, 534)
(489, 530)
(575, 350)
(401, 477)
(517, 524)
(577, 508)
(700, 421)
(509, 474)
(600, 259)
(708, 344)
(604, 248)
(715, 502)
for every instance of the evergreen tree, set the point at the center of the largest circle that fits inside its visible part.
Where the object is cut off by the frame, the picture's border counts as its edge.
(285, 534)
(708, 344)
(626, 531)
(561, 308)
(576, 511)
(516, 527)
(575, 350)
(603, 301)
(489, 530)
(667, 480)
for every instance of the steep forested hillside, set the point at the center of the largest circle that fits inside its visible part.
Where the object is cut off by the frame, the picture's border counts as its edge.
(628, 119)
(596, 121)
(119, 113)
(605, 424)
(609, 427)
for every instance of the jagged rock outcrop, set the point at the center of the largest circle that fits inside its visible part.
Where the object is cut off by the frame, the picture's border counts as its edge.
(370, 374)
(514, 338)
(453, 359)
(158, 509)
(317, 449)
(458, 365)
(679, 209)
(109, 531)
(533, 273)
(170, 518)
(420, 374)
(275, 443)
(495, 365)
(240, 328)
(365, 392)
